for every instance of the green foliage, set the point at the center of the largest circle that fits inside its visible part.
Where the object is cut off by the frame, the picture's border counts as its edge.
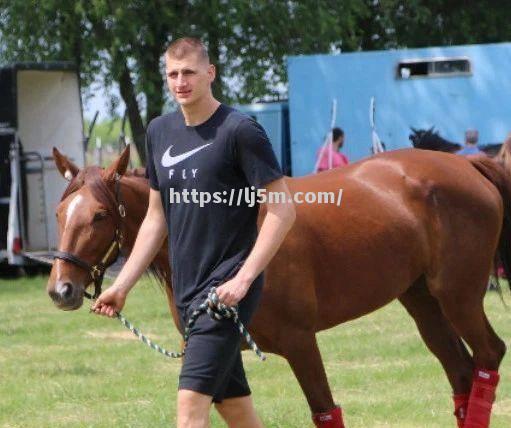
(121, 41)
(75, 369)
(247, 39)
(419, 23)
(108, 131)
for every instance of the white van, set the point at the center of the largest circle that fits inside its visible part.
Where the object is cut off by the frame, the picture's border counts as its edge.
(40, 107)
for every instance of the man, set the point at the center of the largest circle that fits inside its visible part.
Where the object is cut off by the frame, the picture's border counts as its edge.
(470, 148)
(208, 147)
(329, 156)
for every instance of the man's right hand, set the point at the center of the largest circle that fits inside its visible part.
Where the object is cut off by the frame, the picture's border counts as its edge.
(110, 301)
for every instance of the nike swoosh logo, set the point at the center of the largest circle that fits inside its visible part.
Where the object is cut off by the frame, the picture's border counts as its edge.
(167, 160)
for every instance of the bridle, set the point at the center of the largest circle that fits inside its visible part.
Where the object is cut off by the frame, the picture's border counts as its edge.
(97, 271)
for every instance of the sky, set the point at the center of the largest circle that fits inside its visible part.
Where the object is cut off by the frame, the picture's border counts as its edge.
(97, 100)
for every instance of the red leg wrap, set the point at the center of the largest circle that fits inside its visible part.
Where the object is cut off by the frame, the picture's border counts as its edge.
(331, 419)
(460, 408)
(481, 399)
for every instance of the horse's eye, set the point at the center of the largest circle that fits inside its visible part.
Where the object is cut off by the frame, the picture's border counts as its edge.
(100, 215)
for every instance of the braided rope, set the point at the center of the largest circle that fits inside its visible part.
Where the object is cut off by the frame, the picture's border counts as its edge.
(146, 340)
(215, 309)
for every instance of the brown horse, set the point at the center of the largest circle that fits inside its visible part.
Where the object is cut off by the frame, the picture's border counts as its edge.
(419, 226)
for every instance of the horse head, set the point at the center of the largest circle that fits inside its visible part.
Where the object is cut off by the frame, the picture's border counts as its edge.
(429, 139)
(418, 136)
(88, 217)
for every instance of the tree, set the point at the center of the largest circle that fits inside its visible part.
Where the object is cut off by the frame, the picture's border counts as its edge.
(249, 40)
(123, 41)
(419, 23)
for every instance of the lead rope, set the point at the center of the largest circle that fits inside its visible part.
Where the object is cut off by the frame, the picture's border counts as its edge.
(215, 309)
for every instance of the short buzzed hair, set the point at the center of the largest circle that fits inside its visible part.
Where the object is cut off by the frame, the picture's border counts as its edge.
(184, 46)
(337, 133)
(471, 136)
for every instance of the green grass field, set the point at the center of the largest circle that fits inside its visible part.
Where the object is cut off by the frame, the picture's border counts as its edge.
(74, 369)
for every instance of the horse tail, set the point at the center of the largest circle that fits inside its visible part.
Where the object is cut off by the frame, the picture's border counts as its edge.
(499, 174)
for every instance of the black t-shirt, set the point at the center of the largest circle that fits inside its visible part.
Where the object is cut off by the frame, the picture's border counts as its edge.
(228, 152)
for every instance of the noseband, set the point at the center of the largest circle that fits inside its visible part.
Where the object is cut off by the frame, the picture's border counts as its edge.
(97, 271)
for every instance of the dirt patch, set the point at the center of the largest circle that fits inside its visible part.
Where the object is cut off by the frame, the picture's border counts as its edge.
(118, 335)
(502, 407)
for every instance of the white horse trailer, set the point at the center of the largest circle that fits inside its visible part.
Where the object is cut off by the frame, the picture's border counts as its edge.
(40, 108)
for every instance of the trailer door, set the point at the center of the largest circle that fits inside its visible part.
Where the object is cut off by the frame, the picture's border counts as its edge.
(49, 115)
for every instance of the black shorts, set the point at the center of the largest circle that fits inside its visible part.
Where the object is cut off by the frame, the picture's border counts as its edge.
(212, 364)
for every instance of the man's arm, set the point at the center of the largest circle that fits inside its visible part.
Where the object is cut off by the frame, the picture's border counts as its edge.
(279, 218)
(150, 237)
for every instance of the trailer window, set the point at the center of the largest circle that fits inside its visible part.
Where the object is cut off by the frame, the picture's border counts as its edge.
(436, 67)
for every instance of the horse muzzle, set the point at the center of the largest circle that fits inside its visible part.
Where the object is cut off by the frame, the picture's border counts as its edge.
(66, 296)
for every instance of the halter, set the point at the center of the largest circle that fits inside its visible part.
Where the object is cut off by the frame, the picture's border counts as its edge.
(97, 271)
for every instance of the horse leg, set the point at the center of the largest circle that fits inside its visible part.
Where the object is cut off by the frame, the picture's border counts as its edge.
(443, 342)
(465, 311)
(303, 355)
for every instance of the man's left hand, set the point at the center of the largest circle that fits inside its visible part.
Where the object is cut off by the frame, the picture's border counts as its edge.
(232, 291)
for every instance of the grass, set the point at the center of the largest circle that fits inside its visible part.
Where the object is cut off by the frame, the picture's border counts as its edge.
(73, 369)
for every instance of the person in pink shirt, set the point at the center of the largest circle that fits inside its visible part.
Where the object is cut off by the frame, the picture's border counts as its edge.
(328, 156)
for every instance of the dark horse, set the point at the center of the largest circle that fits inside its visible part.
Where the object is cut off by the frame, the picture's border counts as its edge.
(429, 139)
(419, 226)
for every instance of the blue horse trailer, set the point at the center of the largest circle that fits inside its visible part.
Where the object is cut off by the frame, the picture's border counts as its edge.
(274, 118)
(451, 88)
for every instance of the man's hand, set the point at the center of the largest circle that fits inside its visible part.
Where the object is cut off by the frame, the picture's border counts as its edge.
(110, 301)
(232, 291)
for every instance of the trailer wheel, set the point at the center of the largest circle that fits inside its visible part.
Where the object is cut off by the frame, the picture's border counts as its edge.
(35, 270)
(9, 271)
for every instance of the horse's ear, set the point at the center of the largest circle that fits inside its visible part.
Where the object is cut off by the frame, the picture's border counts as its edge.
(67, 168)
(118, 167)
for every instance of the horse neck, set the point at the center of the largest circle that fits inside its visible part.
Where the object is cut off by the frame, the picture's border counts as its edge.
(135, 196)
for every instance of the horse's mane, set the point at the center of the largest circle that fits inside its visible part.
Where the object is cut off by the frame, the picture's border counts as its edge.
(135, 172)
(92, 177)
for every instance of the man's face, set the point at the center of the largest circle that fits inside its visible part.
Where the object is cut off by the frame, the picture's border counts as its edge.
(189, 79)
